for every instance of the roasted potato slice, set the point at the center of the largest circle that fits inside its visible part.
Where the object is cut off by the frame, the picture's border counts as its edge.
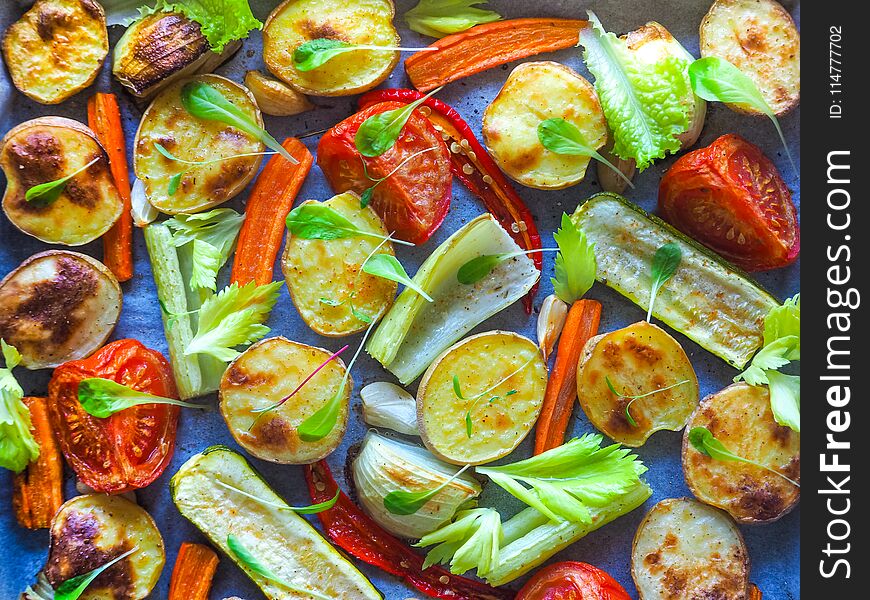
(192, 139)
(637, 359)
(684, 549)
(58, 306)
(161, 48)
(368, 22)
(275, 97)
(740, 417)
(534, 92)
(56, 49)
(500, 380)
(325, 277)
(759, 37)
(47, 149)
(89, 531)
(264, 374)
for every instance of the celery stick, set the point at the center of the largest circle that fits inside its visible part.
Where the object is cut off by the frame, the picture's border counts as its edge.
(524, 553)
(171, 291)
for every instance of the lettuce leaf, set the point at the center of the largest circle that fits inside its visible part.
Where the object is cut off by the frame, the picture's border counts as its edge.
(647, 105)
(17, 446)
(565, 481)
(785, 399)
(221, 21)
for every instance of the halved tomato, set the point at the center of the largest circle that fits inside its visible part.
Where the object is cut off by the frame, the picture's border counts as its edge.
(129, 449)
(731, 198)
(572, 581)
(414, 200)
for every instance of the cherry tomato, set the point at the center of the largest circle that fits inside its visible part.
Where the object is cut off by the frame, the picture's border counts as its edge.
(412, 201)
(572, 581)
(129, 449)
(731, 198)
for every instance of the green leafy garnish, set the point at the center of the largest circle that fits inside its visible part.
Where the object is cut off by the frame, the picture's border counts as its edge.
(220, 21)
(233, 317)
(379, 132)
(322, 422)
(563, 137)
(318, 221)
(717, 80)
(703, 440)
(631, 399)
(475, 399)
(471, 541)
(253, 564)
(665, 263)
(647, 105)
(366, 197)
(315, 53)
(311, 509)
(72, 588)
(17, 446)
(204, 101)
(388, 266)
(174, 182)
(481, 266)
(102, 398)
(565, 481)
(213, 236)
(401, 502)
(48, 192)
(575, 262)
(782, 345)
(437, 18)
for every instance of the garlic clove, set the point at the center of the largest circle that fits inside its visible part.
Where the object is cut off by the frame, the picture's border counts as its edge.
(275, 97)
(551, 320)
(388, 405)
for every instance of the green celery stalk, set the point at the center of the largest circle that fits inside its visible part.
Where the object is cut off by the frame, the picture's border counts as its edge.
(530, 538)
(171, 290)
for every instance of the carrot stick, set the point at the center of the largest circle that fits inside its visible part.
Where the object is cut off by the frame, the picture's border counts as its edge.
(37, 492)
(271, 199)
(104, 118)
(754, 592)
(489, 45)
(193, 572)
(580, 325)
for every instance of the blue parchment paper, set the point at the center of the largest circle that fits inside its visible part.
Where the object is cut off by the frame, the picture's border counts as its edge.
(774, 549)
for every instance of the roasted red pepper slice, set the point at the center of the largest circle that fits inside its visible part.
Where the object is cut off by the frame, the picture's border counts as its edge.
(351, 529)
(472, 164)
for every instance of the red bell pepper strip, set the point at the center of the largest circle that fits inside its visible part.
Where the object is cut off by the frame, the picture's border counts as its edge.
(355, 532)
(472, 165)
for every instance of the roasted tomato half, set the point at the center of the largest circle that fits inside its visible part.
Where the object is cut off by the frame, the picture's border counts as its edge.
(731, 198)
(129, 449)
(572, 581)
(415, 196)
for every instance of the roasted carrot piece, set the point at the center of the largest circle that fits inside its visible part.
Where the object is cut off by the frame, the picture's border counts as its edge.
(104, 118)
(193, 572)
(580, 325)
(37, 492)
(271, 199)
(489, 45)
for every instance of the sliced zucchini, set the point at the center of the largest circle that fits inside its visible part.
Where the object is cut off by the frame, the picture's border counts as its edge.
(637, 359)
(325, 278)
(479, 399)
(58, 306)
(56, 49)
(760, 38)
(534, 92)
(265, 373)
(166, 122)
(280, 539)
(414, 332)
(740, 417)
(708, 300)
(684, 549)
(365, 22)
(51, 148)
(161, 48)
(89, 531)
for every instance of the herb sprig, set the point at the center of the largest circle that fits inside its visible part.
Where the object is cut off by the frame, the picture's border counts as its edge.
(247, 558)
(311, 509)
(665, 263)
(175, 180)
(74, 587)
(631, 399)
(102, 398)
(379, 132)
(563, 137)
(475, 399)
(366, 197)
(401, 502)
(703, 440)
(316, 53)
(318, 221)
(479, 267)
(48, 192)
